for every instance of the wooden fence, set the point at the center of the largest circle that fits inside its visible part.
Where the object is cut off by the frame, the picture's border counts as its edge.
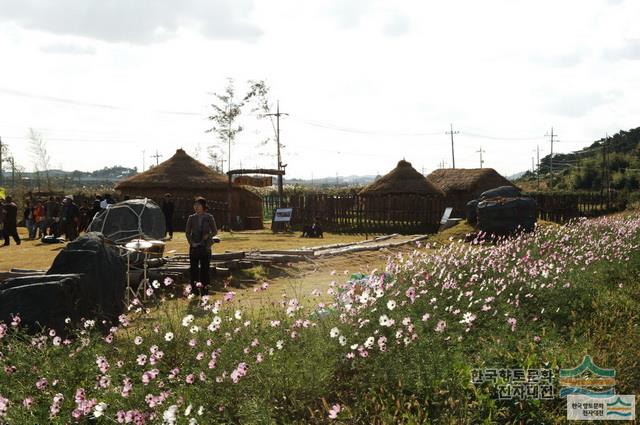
(352, 213)
(562, 207)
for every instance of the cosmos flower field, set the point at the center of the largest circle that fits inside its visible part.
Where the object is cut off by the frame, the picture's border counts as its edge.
(396, 346)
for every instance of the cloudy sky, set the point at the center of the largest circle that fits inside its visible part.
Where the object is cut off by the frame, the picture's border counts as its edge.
(366, 82)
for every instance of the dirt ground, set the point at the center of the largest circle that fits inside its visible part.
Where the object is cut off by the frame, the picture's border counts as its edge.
(38, 256)
(297, 279)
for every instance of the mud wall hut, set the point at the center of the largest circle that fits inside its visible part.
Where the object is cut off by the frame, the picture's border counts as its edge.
(185, 179)
(403, 196)
(461, 185)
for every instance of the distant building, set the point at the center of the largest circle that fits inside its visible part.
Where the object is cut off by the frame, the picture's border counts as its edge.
(186, 178)
(461, 185)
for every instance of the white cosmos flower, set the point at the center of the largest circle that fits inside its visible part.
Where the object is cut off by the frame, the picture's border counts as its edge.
(238, 315)
(342, 340)
(280, 344)
(169, 415)
(369, 342)
(187, 320)
(168, 336)
(384, 320)
(391, 304)
(334, 332)
(187, 411)
(99, 409)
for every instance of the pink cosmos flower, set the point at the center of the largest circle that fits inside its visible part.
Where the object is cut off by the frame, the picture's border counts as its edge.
(333, 412)
(440, 327)
(512, 321)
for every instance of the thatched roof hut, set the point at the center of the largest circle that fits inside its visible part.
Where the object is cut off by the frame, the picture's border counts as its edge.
(461, 185)
(404, 179)
(186, 178)
(177, 174)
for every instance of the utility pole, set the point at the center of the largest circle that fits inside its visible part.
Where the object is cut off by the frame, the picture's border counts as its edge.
(453, 157)
(143, 159)
(157, 156)
(481, 152)
(281, 166)
(551, 136)
(1, 174)
(538, 163)
(13, 174)
(533, 167)
(604, 150)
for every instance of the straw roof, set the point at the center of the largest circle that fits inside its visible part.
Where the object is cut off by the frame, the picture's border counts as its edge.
(179, 173)
(403, 179)
(467, 179)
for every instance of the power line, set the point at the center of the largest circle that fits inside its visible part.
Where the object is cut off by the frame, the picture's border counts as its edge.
(506, 139)
(74, 102)
(334, 127)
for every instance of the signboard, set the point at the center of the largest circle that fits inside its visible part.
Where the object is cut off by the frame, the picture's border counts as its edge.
(283, 215)
(445, 216)
(590, 408)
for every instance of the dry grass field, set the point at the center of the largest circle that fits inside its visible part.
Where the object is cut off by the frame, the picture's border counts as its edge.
(36, 255)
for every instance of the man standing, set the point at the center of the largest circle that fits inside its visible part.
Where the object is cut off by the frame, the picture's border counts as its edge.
(69, 218)
(200, 230)
(96, 208)
(168, 208)
(10, 221)
(51, 209)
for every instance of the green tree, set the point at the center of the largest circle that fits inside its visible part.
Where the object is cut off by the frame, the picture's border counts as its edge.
(225, 117)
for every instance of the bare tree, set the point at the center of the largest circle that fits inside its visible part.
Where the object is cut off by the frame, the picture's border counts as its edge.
(40, 155)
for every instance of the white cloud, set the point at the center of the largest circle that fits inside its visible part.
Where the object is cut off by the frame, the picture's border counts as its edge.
(139, 21)
(504, 68)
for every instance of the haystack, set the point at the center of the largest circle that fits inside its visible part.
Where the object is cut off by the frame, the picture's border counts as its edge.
(186, 178)
(402, 180)
(461, 185)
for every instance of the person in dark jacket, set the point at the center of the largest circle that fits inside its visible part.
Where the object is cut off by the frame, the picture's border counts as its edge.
(96, 208)
(29, 220)
(69, 218)
(168, 207)
(10, 221)
(200, 230)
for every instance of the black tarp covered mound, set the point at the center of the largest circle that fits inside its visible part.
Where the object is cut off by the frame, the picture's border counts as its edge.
(472, 212)
(41, 301)
(87, 280)
(132, 219)
(503, 216)
(500, 192)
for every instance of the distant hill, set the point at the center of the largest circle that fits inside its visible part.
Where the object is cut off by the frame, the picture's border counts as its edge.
(340, 181)
(107, 174)
(614, 163)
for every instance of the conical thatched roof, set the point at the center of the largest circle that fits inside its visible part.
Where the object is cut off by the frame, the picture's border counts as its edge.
(467, 179)
(180, 172)
(403, 179)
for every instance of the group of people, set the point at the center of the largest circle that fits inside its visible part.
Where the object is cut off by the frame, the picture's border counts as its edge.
(59, 217)
(55, 217)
